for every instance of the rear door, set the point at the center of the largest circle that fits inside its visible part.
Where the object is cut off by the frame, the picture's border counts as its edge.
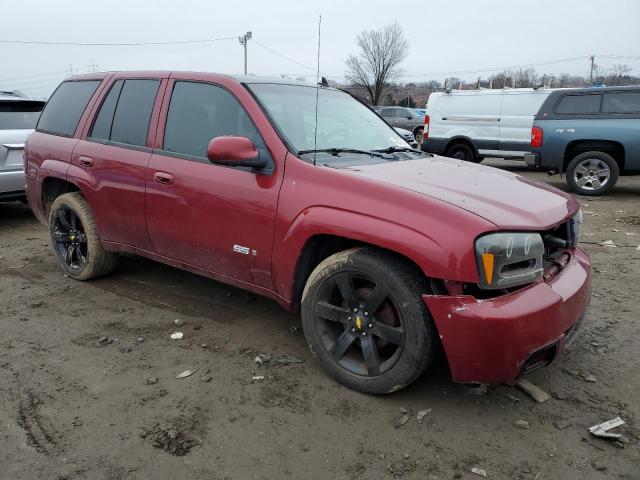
(217, 218)
(18, 118)
(110, 161)
(516, 119)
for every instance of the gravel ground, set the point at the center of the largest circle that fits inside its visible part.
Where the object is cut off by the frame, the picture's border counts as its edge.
(88, 387)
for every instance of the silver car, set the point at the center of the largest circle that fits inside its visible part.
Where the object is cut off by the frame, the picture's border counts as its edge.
(18, 117)
(405, 118)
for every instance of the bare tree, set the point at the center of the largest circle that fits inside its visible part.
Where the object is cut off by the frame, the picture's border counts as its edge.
(617, 72)
(378, 62)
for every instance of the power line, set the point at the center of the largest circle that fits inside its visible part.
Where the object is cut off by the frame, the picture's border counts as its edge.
(284, 56)
(33, 76)
(116, 44)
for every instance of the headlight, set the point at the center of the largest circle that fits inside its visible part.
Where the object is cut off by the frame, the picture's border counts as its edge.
(575, 225)
(509, 259)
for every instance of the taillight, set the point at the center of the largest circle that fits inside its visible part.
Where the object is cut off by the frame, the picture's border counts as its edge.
(536, 136)
(425, 131)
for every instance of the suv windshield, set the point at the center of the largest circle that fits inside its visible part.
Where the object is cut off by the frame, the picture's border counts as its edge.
(19, 115)
(343, 122)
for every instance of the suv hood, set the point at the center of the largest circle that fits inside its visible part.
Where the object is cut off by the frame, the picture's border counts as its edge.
(505, 199)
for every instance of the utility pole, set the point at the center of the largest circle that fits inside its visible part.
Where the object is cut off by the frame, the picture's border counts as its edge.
(592, 57)
(92, 66)
(244, 39)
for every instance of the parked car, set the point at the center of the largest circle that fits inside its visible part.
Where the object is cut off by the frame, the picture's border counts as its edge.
(407, 136)
(592, 134)
(472, 124)
(385, 251)
(403, 117)
(18, 117)
(421, 112)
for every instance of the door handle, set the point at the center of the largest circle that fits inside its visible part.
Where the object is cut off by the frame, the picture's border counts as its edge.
(86, 161)
(163, 178)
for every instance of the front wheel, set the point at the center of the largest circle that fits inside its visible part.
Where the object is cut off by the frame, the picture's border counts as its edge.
(592, 173)
(364, 318)
(75, 238)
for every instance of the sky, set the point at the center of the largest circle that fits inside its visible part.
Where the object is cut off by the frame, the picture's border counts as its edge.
(444, 36)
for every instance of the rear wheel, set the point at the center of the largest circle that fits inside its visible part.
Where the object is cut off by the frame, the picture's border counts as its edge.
(75, 239)
(592, 173)
(418, 135)
(364, 318)
(461, 151)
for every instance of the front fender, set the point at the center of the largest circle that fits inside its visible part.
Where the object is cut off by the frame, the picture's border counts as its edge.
(432, 257)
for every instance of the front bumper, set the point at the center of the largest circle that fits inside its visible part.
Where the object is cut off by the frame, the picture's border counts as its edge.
(497, 340)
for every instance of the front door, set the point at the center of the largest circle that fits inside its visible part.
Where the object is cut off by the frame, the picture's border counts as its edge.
(213, 217)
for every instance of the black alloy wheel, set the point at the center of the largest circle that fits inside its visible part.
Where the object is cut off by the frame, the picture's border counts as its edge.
(359, 324)
(70, 239)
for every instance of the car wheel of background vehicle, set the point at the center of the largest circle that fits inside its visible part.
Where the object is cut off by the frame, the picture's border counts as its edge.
(418, 135)
(75, 239)
(364, 318)
(592, 173)
(461, 151)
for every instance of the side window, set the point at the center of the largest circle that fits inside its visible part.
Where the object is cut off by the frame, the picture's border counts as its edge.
(577, 104)
(386, 112)
(102, 126)
(199, 112)
(64, 109)
(621, 102)
(133, 112)
(401, 113)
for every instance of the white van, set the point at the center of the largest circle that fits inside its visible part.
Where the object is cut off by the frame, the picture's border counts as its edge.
(473, 124)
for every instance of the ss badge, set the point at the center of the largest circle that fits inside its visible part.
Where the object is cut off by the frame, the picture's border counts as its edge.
(244, 250)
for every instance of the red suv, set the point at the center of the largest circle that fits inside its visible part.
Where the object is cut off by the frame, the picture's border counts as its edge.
(303, 194)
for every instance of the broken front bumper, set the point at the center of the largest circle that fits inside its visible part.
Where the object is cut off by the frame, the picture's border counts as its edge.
(497, 340)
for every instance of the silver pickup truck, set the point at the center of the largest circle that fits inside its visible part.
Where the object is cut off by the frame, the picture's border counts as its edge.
(18, 117)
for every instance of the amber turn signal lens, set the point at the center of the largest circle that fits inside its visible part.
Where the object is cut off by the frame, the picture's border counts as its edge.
(487, 262)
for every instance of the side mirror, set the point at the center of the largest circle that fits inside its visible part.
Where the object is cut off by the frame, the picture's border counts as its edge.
(234, 151)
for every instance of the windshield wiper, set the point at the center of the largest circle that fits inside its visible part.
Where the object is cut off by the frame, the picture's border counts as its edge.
(395, 148)
(337, 151)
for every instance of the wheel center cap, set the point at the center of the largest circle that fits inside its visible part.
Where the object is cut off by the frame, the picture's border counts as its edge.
(359, 322)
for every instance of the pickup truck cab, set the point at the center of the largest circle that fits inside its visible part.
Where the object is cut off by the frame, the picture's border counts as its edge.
(592, 134)
(385, 251)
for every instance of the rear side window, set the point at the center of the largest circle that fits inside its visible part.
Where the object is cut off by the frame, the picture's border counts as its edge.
(102, 126)
(621, 102)
(19, 115)
(199, 112)
(577, 104)
(133, 112)
(387, 112)
(64, 109)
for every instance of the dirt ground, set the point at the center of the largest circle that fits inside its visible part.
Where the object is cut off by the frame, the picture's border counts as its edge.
(88, 387)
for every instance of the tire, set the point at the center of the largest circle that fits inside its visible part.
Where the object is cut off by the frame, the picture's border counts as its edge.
(75, 239)
(592, 173)
(398, 337)
(418, 134)
(461, 151)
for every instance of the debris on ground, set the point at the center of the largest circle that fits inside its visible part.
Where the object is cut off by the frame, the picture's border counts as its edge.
(293, 330)
(479, 389)
(104, 341)
(479, 471)
(589, 377)
(522, 424)
(177, 322)
(562, 424)
(170, 440)
(257, 378)
(404, 418)
(510, 397)
(186, 373)
(532, 390)
(286, 359)
(177, 336)
(608, 243)
(152, 380)
(421, 414)
(602, 429)
(140, 339)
